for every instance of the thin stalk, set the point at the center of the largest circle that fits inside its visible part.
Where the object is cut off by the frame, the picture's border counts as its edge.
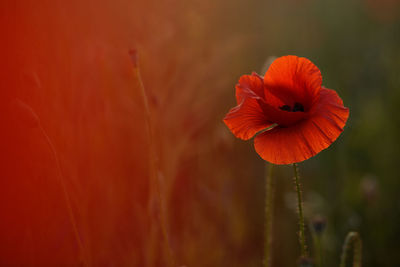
(30, 119)
(352, 240)
(153, 168)
(269, 215)
(66, 197)
(317, 226)
(302, 236)
(318, 250)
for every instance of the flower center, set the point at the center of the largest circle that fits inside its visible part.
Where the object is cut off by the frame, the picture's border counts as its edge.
(297, 107)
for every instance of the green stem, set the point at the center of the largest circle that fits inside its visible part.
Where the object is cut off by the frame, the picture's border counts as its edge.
(269, 215)
(302, 236)
(352, 240)
(318, 250)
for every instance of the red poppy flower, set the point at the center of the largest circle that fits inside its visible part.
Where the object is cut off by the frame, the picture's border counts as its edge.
(293, 116)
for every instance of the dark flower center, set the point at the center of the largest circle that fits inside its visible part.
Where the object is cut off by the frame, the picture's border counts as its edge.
(297, 107)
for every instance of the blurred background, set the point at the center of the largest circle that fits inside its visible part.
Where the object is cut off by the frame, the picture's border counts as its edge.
(76, 186)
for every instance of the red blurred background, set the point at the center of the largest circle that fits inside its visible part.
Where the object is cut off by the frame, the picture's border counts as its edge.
(69, 97)
(66, 64)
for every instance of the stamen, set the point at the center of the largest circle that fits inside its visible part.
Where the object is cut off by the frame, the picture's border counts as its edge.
(285, 108)
(298, 107)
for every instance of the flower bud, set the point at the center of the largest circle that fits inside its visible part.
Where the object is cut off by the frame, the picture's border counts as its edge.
(318, 224)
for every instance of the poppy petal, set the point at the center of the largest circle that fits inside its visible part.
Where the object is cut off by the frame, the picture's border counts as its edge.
(292, 79)
(249, 86)
(286, 145)
(330, 115)
(283, 145)
(246, 119)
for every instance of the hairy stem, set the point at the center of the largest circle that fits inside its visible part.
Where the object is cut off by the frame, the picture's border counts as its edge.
(269, 215)
(302, 236)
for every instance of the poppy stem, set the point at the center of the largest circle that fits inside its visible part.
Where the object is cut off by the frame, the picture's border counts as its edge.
(269, 215)
(155, 186)
(352, 239)
(302, 236)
